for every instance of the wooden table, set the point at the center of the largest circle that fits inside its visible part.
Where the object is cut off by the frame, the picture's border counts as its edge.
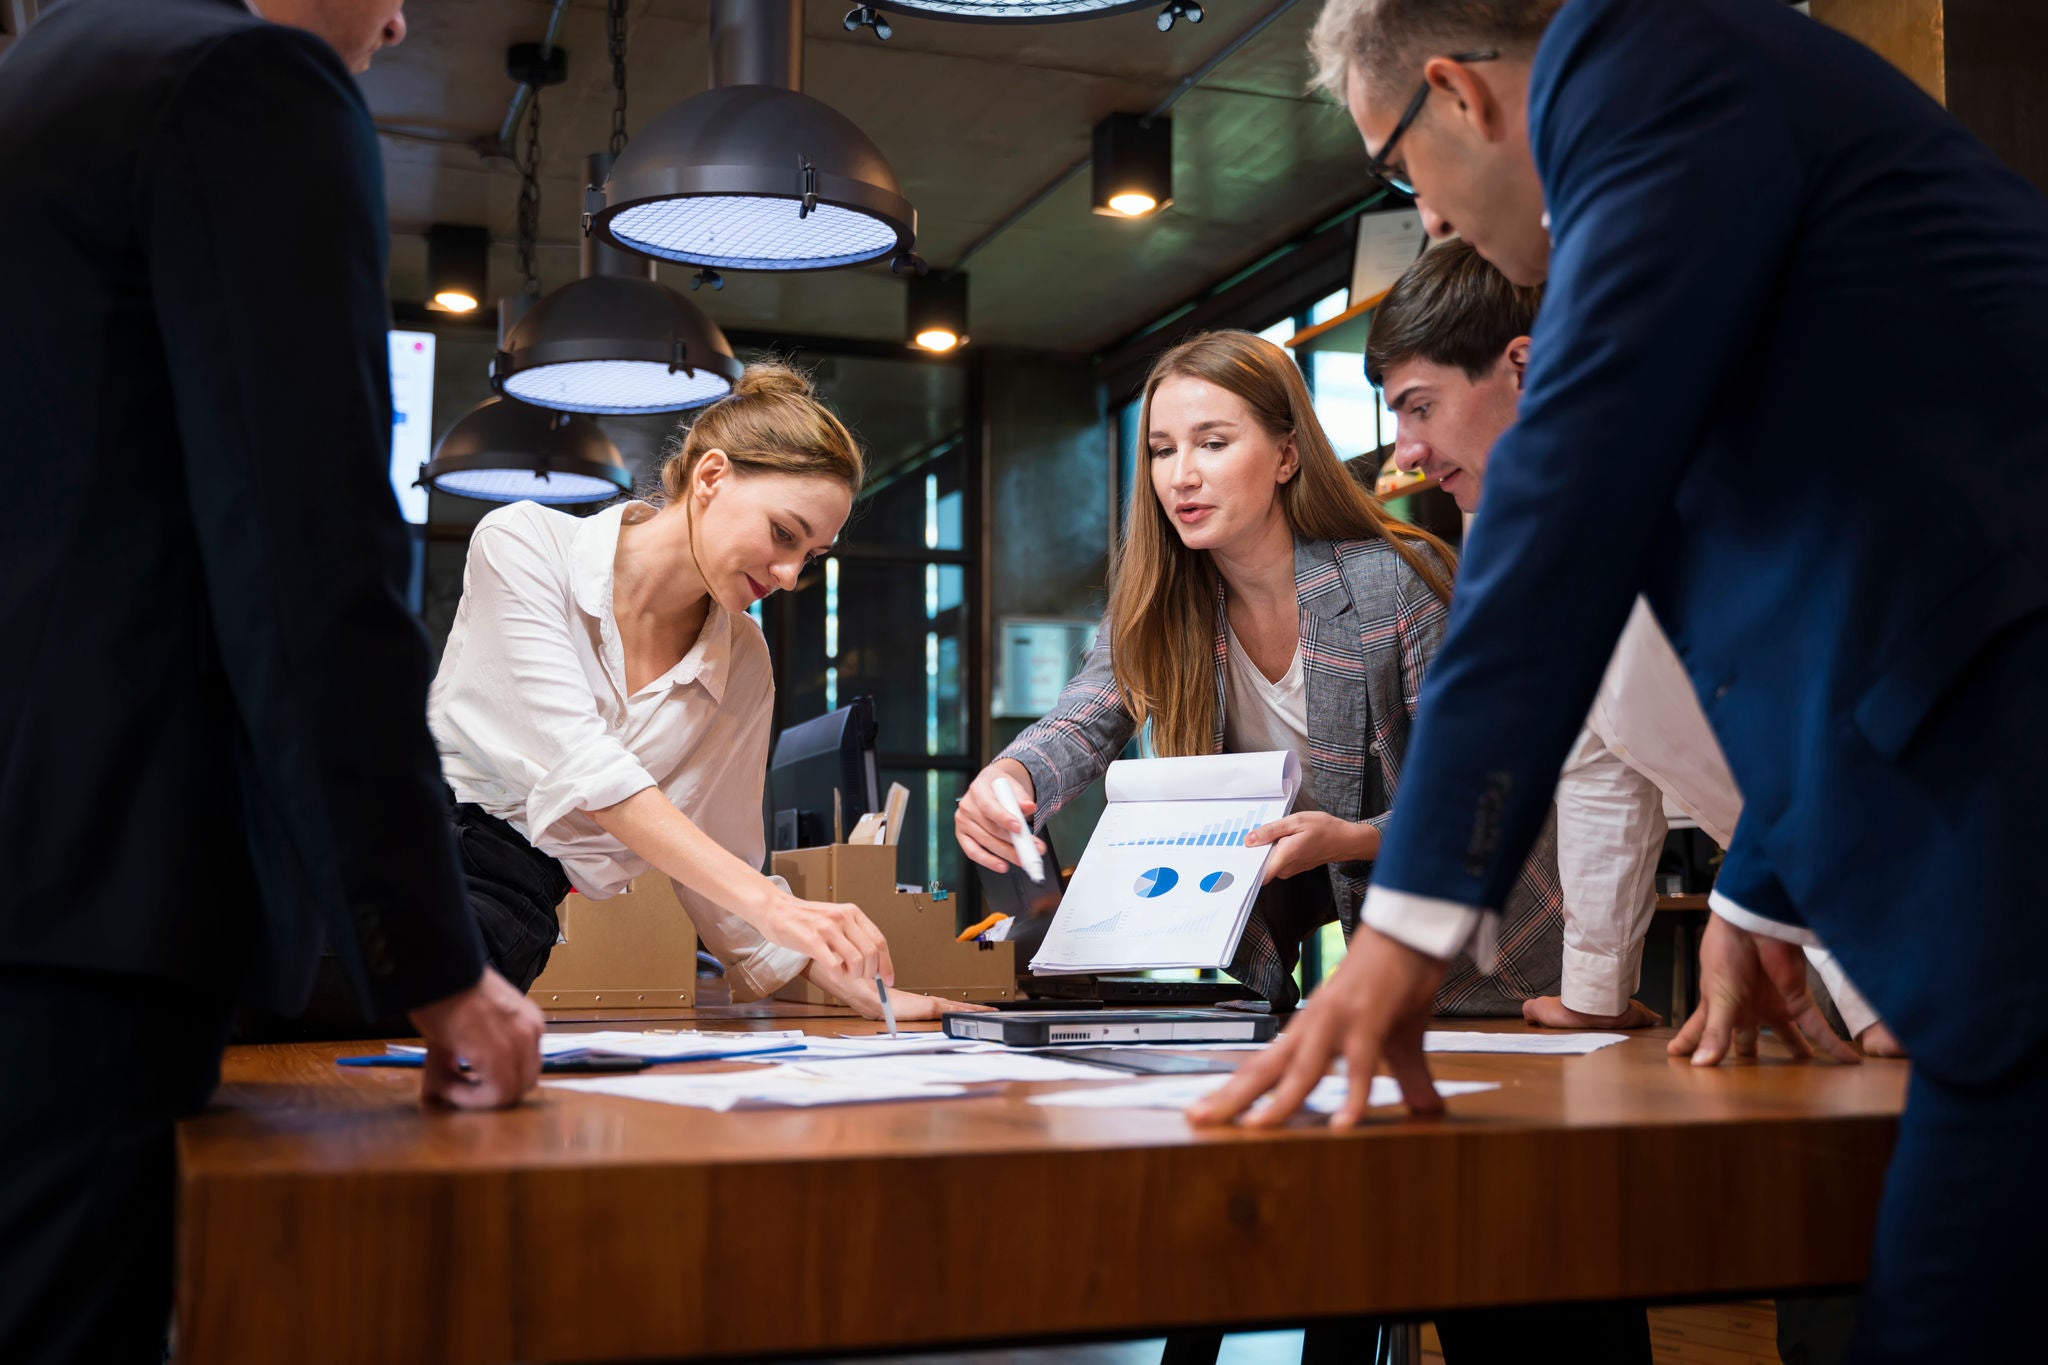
(324, 1217)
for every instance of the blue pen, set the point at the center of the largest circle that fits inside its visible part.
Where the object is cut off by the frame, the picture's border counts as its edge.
(564, 1061)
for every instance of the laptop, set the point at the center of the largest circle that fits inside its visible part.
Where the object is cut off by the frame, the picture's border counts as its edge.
(1033, 903)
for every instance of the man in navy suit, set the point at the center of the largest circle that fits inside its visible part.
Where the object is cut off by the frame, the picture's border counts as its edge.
(1782, 287)
(213, 740)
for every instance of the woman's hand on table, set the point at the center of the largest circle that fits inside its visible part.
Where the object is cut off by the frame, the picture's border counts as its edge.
(982, 825)
(1313, 838)
(1550, 1011)
(860, 993)
(838, 935)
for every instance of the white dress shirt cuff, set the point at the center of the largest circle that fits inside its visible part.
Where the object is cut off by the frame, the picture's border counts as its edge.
(1757, 924)
(1857, 1015)
(1601, 983)
(763, 971)
(1431, 926)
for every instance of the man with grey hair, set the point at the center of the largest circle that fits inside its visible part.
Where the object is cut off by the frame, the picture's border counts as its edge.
(1752, 230)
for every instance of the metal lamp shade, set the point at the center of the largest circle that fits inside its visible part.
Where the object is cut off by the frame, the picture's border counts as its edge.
(615, 344)
(508, 452)
(722, 179)
(1016, 11)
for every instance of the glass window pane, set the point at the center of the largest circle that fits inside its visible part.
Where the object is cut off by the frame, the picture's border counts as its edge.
(1348, 404)
(900, 632)
(1279, 331)
(1323, 309)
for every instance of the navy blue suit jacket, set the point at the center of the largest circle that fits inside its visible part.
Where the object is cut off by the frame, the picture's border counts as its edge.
(1790, 380)
(213, 743)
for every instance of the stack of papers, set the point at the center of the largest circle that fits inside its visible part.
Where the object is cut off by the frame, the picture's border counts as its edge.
(952, 1068)
(1178, 1092)
(657, 1047)
(1166, 880)
(1528, 1044)
(777, 1087)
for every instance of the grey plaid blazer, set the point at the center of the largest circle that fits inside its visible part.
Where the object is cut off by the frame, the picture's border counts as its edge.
(1369, 627)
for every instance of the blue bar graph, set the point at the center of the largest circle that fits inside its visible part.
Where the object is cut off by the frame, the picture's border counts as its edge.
(1225, 832)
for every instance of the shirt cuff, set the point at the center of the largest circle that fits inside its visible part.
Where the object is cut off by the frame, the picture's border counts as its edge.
(1436, 928)
(1857, 1014)
(764, 971)
(1754, 923)
(1601, 983)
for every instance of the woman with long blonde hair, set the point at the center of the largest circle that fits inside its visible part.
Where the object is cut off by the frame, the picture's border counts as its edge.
(1262, 600)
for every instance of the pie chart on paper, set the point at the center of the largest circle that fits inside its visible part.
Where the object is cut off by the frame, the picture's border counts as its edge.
(1155, 882)
(1217, 881)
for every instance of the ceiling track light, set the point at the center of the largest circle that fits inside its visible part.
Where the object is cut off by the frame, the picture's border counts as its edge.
(753, 174)
(458, 262)
(935, 318)
(1178, 9)
(614, 341)
(1132, 166)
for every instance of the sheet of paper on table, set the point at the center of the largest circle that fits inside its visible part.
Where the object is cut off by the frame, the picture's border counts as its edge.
(667, 1047)
(950, 1068)
(1178, 1092)
(773, 1088)
(1440, 1040)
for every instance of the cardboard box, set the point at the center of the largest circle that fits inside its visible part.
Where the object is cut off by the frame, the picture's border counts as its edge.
(919, 929)
(636, 950)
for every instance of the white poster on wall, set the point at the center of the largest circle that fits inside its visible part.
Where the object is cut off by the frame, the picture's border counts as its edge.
(412, 419)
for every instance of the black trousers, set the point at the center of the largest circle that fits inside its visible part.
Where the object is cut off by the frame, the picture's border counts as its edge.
(96, 1070)
(513, 889)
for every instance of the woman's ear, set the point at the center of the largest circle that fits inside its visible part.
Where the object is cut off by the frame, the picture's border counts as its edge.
(1290, 457)
(712, 470)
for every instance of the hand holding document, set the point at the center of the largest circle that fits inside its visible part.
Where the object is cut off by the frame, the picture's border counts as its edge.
(1167, 880)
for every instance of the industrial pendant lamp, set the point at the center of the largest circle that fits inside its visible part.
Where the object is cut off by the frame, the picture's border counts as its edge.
(937, 313)
(1132, 165)
(753, 174)
(614, 341)
(1016, 11)
(502, 451)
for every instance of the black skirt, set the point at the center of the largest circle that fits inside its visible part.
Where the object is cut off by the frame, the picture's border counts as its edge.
(512, 888)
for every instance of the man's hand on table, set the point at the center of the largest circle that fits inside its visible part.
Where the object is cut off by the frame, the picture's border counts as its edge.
(1749, 981)
(1550, 1011)
(1371, 1012)
(491, 1026)
(1879, 1041)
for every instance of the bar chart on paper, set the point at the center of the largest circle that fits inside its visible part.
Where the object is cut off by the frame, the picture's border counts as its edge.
(1224, 830)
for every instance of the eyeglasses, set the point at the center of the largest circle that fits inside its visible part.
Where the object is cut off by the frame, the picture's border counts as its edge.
(1376, 163)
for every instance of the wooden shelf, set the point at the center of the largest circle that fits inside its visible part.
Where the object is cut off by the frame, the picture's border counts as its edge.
(1405, 490)
(1345, 332)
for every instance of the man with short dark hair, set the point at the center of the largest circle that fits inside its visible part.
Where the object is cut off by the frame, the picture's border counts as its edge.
(1449, 349)
(213, 739)
(1754, 233)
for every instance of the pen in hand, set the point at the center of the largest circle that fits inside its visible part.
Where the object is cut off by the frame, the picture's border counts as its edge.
(888, 1010)
(1021, 842)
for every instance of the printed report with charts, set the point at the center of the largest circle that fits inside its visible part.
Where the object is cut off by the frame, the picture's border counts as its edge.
(1167, 881)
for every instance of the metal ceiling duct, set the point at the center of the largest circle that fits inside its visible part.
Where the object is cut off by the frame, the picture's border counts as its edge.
(614, 341)
(1013, 11)
(753, 174)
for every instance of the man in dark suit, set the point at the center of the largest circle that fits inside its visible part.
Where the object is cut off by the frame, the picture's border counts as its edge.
(1783, 285)
(213, 746)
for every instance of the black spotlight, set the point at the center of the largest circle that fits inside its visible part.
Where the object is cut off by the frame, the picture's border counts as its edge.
(1133, 170)
(458, 260)
(936, 319)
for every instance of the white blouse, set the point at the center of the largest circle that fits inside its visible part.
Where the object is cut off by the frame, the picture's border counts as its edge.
(533, 721)
(1262, 716)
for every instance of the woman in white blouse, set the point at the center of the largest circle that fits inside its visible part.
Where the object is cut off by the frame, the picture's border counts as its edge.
(604, 703)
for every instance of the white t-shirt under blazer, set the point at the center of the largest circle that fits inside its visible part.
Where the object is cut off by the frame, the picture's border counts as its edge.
(533, 721)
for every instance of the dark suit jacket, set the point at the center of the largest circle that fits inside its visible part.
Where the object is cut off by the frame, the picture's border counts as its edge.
(1787, 293)
(212, 698)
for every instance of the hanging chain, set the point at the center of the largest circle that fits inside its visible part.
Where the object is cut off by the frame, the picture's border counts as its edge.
(529, 198)
(615, 40)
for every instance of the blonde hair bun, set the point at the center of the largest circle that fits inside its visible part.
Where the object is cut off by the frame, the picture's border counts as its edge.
(771, 423)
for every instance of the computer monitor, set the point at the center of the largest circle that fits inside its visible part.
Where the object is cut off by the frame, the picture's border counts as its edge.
(834, 753)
